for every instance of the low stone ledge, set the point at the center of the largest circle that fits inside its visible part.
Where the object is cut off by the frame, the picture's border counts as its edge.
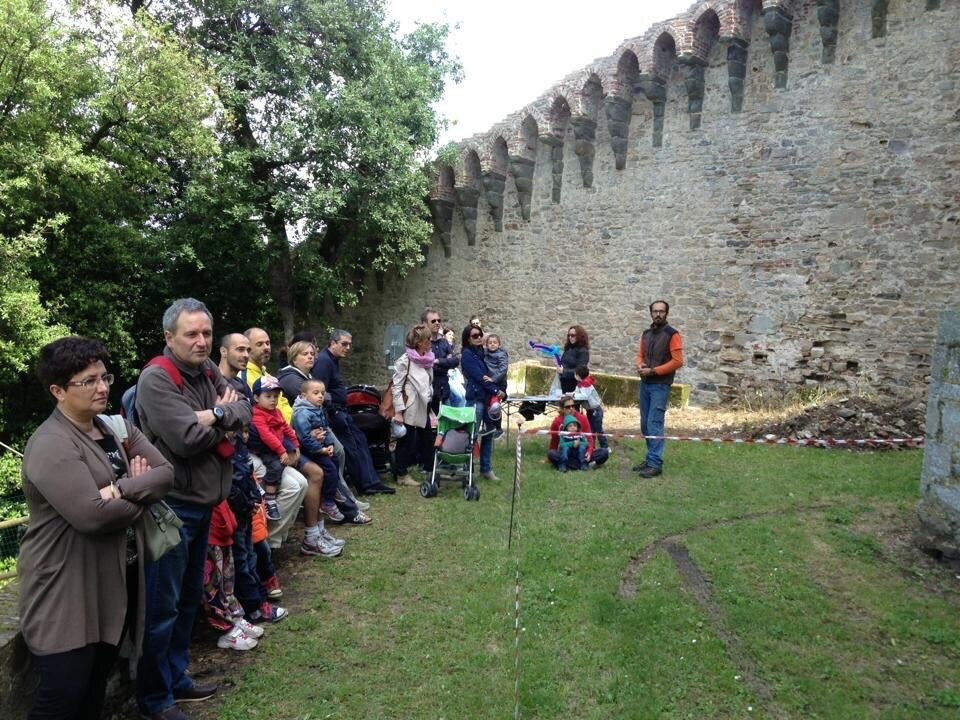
(531, 378)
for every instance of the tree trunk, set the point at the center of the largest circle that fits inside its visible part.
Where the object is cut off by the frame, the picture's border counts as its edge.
(279, 273)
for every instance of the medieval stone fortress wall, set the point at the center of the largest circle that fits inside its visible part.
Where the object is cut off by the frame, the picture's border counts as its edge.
(786, 174)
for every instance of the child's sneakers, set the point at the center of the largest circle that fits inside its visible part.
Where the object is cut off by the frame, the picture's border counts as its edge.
(272, 586)
(267, 613)
(249, 629)
(272, 508)
(236, 639)
(319, 546)
(331, 510)
(328, 537)
(361, 518)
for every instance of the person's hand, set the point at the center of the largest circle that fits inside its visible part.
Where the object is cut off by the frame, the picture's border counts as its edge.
(110, 492)
(318, 433)
(501, 394)
(559, 370)
(296, 456)
(286, 459)
(487, 378)
(576, 442)
(229, 396)
(138, 466)
(328, 450)
(587, 456)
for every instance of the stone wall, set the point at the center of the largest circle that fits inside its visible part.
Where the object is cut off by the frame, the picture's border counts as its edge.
(939, 507)
(786, 174)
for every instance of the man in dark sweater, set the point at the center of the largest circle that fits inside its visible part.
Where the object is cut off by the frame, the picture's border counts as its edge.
(660, 356)
(359, 461)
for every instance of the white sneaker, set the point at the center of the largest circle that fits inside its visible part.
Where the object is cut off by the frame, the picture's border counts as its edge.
(328, 537)
(361, 504)
(249, 629)
(236, 639)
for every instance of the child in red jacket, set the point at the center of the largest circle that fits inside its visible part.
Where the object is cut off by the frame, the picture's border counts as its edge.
(276, 443)
(272, 440)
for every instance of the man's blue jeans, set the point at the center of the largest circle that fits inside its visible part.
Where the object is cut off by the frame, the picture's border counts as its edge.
(653, 409)
(486, 442)
(174, 588)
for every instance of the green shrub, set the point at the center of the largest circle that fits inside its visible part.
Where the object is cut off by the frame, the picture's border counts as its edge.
(9, 474)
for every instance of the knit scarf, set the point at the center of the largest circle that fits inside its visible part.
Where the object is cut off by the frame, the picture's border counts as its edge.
(424, 361)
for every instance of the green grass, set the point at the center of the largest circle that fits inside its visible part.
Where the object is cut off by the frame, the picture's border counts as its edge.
(808, 615)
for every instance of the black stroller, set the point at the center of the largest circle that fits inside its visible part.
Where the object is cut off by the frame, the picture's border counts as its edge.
(363, 404)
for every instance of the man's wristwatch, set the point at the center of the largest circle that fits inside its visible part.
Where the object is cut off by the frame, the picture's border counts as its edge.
(217, 415)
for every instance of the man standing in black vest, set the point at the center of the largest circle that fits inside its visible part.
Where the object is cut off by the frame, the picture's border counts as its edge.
(660, 356)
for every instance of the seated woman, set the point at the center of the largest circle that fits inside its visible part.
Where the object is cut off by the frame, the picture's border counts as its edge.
(479, 392)
(302, 355)
(412, 388)
(81, 559)
(576, 352)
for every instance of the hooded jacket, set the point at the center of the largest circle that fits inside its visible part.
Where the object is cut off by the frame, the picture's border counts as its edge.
(308, 417)
(290, 378)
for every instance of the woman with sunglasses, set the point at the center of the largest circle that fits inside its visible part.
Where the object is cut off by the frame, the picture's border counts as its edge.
(576, 352)
(479, 391)
(81, 559)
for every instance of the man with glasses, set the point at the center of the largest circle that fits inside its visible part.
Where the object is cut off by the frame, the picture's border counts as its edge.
(445, 359)
(186, 422)
(360, 464)
(595, 456)
(659, 358)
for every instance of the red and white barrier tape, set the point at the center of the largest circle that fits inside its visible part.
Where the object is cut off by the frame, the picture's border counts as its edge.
(816, 442)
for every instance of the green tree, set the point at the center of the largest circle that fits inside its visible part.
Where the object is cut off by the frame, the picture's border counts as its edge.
(328, 120)
(100, 119)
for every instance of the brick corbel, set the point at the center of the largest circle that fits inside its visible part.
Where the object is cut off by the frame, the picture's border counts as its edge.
(693, 81)
(493, 186)
(522, 170)
(585, 133)
(618, 110)
(736, 70)
(779, 24)
(468, 198)
(828, 13)
(441, 210)
(655, 90)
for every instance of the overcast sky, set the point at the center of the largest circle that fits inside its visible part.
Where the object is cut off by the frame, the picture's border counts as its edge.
(514, 51)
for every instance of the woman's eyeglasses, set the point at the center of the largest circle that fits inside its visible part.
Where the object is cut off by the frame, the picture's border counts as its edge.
(474, 336)
(88, 383)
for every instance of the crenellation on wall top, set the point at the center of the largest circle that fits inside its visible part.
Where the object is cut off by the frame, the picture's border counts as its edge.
(638, 71)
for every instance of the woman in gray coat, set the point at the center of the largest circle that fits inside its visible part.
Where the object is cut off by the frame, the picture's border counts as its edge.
(80, 563)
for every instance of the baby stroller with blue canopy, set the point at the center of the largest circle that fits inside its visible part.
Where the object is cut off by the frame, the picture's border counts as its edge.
(456, 436)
